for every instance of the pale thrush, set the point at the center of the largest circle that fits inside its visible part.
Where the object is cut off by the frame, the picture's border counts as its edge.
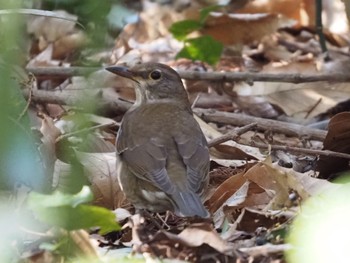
(162, 154)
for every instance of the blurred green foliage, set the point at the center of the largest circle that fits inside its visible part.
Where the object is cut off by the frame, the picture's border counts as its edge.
(203, 48)
(181, 29)
(70, 212)
(19, 157)
(91, 14)
(21, 163)
(320, 233)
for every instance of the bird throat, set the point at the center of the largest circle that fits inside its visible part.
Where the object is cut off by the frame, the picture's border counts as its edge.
(144, 96)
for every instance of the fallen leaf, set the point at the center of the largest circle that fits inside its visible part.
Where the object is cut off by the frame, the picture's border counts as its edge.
(203, 233)
(338, 140)
(233, 29)
(101, 170)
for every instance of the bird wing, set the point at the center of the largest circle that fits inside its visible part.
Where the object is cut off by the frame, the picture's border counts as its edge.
(195, 154)
(147, 160)
(146, 157)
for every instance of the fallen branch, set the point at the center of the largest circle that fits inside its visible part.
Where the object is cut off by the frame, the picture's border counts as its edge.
(266, 250)
(61, 71)
(296, 149)
(212, 76)
(237, 119)
(66, 98)
(234, 135)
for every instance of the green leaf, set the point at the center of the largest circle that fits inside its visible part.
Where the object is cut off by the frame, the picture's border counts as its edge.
(182, 28)
(68, 212)
(203, 48)
(58, 199)
(204, 13)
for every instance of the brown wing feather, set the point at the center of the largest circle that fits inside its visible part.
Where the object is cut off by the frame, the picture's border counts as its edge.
(195, 155)
(147, 161)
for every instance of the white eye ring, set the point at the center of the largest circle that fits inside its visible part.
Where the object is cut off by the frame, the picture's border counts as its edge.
(155, 74)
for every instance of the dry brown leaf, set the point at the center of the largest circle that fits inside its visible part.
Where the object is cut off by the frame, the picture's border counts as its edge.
(60, 33)
(223, 151)
(48, 147)
(211, 133)
(233, 29)
(249, 195)
(100, 169)
(51, 29)
(338, 140)
(44, 58)
(224, 191)
(289, 8)
(297, 100)
(68, 44)
(203, 233)
(197, 243)
(276, 183)
(252, 220)
(265, 88)
(234, 193)
(257, 106)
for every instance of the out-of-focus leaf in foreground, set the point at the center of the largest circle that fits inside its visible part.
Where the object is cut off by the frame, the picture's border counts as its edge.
(70, 212)
(203, 48)
(182, 28)
(321, 231)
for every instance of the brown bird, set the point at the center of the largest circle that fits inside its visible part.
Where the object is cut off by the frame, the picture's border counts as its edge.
(162, 152)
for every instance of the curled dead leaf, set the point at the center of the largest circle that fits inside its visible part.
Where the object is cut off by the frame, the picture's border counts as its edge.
(233, 29)
(338, 140)
(100, 169)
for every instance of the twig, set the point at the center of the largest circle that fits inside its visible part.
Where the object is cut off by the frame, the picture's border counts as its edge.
(195, 101)
(297, 149)
(66, 98)
(237, 119)
(212, 76)
(319, 29)
(32, 82)
(37, 12)
(267, 249)
(61, 71)
(89, 129)
(313, 108)
(294, 46)
(233, 135)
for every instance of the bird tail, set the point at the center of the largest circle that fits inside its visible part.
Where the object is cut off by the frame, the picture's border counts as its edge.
(189, 204)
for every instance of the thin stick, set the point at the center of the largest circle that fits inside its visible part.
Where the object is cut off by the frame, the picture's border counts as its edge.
(319, 29)
(30, 85)
(89, 129)
(233, 135)
(313, 108)
(65, 98)
(297, 150)
(195, 101)
(236, 119)
(212, 76)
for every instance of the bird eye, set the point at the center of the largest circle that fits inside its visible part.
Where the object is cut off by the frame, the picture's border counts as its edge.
(155, 74)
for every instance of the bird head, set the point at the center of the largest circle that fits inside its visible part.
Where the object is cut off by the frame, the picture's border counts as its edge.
(153, 82)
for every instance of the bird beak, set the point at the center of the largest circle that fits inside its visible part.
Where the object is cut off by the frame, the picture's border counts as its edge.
(123, 72)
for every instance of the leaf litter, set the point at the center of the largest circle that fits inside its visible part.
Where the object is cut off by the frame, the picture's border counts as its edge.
(252, 198)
